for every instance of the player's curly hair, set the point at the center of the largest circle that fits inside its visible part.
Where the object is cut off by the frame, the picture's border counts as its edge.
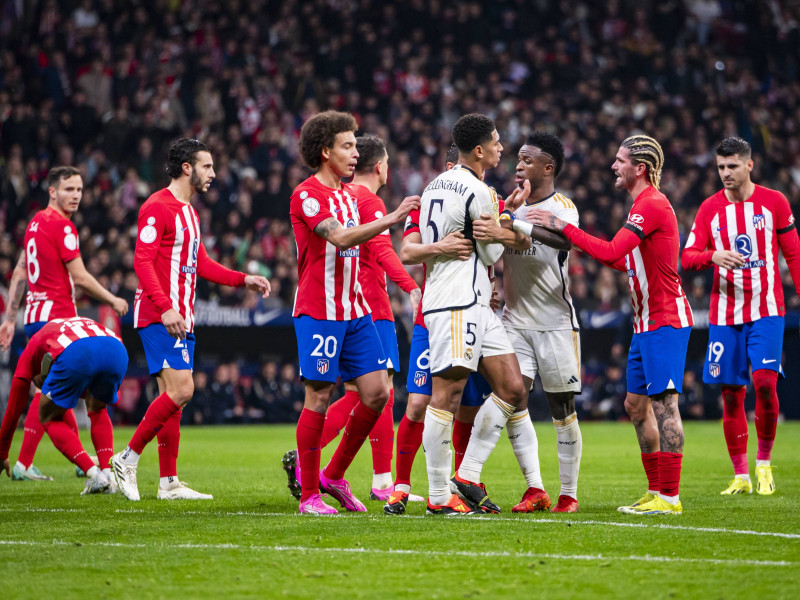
(472, 130)
(646, 150)
(183, 151)
(734, 146)
(56, 174)
(549, 144)
(452, 155)
(320, 132)
(371, 150)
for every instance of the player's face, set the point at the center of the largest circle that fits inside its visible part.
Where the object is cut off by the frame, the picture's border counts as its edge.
(343, 156)
(532, 166)
(384, 174)
(492, 151)
(625, 169)
(734, 171)
(202, 172)
(66, 195)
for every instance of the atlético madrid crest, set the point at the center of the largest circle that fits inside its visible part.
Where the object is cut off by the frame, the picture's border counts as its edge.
(759, 222)
(185, 354)
(323, 365)
(420, 377)
(713, 369)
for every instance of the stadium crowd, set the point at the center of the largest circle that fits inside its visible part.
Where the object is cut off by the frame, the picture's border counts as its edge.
(106, 85)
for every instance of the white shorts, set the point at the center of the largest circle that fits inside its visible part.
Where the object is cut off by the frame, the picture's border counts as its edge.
(459, 338)
(554, 355)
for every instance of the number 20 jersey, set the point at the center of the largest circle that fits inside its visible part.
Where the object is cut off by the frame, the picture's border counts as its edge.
(51, 241)
(450, 203)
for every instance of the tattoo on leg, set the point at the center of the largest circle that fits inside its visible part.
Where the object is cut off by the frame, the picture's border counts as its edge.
(644, 446)
(670, 426)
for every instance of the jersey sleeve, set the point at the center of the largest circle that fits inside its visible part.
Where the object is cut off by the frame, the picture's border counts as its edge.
(698, 251)
(152, 225)
(568, 214)
(412, 223)
(609, 253)
(208, 268)
(784, 219)
(788, 239)
(308, 209)
(66, 241)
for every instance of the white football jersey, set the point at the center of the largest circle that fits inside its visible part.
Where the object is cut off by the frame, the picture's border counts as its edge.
(535, 281)
(451, 202)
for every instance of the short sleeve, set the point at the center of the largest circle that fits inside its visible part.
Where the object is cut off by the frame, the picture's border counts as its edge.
(371, 208)
(308, 208)
(567, 213)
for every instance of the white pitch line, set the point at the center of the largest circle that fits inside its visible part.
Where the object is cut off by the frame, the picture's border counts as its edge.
(390, 551)
(489, 518)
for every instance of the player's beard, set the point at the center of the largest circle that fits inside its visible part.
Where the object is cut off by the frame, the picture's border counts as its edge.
(196, 183)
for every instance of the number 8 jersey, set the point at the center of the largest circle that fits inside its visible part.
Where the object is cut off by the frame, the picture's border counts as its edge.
(451, 202)
(51, 241)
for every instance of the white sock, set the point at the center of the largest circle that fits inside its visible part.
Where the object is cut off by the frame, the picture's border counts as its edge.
(762, 463)
(381, 481)
(569, 445)
(167, 483)
(19, 465)
(670, 499)
(92, 473)
(743, 477)
(403, 487)
(523, 440)
(129, 457)
(436, 439)
(489, 423)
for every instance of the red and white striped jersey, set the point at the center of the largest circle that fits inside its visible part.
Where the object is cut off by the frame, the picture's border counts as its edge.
(378, 258)
(754, 228)
(53, 339)
(51, 241)
(328, 288)
(647, 247)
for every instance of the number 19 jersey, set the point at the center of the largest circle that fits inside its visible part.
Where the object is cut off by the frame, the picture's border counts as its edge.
(451, 202)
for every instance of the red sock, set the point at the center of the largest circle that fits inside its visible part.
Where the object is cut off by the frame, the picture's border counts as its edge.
(409, 439)
(461, 433)
(68, 442)
(309, 434)
(69, 419)
(32, 434)
(767, 409)
(381, 438)
(337, 415)
(158, 413)
(169, 437)
(356, 431)
(650, 461)
(669, 472)
(734, 426)
(102, 436)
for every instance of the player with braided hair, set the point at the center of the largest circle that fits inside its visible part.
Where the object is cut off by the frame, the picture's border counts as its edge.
(647, 248)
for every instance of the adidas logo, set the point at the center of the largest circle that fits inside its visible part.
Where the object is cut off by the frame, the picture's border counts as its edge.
(573, 379)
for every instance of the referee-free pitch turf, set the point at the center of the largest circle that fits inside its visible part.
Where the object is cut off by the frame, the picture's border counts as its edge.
(250, 541)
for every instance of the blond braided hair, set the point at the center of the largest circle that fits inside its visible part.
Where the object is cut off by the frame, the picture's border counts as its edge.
(646, 150)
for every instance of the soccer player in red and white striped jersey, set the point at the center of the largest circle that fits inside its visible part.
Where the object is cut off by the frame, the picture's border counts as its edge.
(739, 231)
(69, 357)
(52, 265)
(335, 332)
(168, 259)
(647, 247)
(377, 259)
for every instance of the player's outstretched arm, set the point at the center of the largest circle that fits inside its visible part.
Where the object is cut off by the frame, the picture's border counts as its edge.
(347, 237)
(487, 230)
(16, 289)
(453, 245)
(86, 280)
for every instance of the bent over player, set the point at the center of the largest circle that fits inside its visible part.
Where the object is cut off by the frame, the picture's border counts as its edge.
(168, 259)
(647, 248)
(739, 230)
(68, 357)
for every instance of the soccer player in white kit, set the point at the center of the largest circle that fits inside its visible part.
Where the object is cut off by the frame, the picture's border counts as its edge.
(463, 330)
(539, 316)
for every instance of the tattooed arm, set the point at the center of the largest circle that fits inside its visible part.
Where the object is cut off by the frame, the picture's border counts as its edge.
(347, 237)
(16, 290)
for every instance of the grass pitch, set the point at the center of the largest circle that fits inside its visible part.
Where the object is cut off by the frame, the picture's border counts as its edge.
(250, 541)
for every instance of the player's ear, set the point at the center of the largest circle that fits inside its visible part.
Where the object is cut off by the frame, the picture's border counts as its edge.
(326, 153)
(187, 169)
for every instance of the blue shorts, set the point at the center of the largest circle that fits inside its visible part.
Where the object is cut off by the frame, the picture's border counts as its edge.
(388, 337)
(419, 368)
(32, 329)
(97, 364)
(476, 391)
(166, 352)
(327, 349)
(731, 346)
(657, 359)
